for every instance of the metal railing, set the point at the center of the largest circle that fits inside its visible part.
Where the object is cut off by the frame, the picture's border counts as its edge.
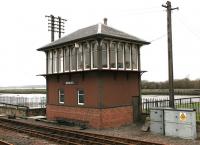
(31, 102)
(187, 103)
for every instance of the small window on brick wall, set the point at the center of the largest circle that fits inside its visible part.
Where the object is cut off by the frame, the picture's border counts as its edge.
(81, 97)
(61, 96)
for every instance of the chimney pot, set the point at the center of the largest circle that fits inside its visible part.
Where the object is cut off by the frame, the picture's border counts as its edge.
(105, 20)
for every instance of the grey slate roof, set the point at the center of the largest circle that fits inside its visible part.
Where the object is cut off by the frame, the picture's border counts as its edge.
(99, 29)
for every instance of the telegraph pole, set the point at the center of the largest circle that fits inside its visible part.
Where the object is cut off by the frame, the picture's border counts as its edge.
(60, 26)
(55, 24)
(52, 27)
(170, 54)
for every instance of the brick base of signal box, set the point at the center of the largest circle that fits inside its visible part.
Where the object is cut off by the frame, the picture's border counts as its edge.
(97, 118)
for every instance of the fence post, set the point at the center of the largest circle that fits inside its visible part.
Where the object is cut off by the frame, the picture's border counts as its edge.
(156, 103)
(146, 101)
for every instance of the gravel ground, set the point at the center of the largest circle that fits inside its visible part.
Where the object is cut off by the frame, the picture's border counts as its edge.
(134, 132)
(131, 131)
(16, 138)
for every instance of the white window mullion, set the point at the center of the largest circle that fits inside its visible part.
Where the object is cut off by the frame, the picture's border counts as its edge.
(49, 62)
(120, 56)
(61, 96)
(134, 57)
(127, 56)
(55, 61)
(112, 57)
(104, 55)
(67, 59)
(116, 56)
(60, 60)
(81, 97)
(94, 52)
(87, 56)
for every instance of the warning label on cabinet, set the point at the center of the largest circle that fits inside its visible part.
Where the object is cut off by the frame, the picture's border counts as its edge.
(182, 116)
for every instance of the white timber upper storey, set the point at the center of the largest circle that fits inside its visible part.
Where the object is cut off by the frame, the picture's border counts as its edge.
(114, 55)
(94, 47)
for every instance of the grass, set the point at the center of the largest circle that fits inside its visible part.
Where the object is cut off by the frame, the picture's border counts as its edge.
(194, 105)
(185, 105)
(23, 91)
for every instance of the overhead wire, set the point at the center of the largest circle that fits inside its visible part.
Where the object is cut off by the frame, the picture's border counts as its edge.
(196, 34)
(139, 11)
(158, 38)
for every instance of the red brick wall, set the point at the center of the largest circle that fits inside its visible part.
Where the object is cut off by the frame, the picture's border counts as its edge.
(88, 84)
(118, 90)
(98, 118)
(110, 88)
(116, 117)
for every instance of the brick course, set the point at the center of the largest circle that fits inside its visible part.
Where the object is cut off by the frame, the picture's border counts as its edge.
(97, 118)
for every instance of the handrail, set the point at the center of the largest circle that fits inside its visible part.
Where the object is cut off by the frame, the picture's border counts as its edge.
(18, 106)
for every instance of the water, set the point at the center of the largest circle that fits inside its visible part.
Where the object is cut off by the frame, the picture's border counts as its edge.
(29, 100)
(184, 98)
(39, 100)
(165, 97)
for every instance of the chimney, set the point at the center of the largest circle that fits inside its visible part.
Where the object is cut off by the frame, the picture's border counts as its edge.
(105, 21)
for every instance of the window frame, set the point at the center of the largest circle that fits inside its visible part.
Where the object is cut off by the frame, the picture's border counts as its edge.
(123, 45)
(136, 54)
(115, 53)
(55, 61)
(92, 55)
(77, 57)
(85, 56)
(61, 95)
(128, 46)
(78, 96)
(107, 54)
(60, 60)
(66, 57)
(49, 62)
(73, 63)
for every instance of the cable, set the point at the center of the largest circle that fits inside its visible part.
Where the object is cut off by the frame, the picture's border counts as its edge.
(188, 28)
(158, 38)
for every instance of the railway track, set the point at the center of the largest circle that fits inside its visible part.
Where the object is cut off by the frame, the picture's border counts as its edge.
(4, 143)
(68, 136)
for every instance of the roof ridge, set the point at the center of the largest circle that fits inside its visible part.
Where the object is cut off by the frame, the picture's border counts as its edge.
(91, 31)
(122, 32)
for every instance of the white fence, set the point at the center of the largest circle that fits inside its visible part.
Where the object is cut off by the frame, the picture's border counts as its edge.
(29, 101)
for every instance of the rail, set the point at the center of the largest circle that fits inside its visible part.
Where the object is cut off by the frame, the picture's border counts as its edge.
(68, 136)
(4, 143)
(13, 105)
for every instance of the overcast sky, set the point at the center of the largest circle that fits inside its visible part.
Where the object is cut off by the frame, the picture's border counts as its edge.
(23, 29)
